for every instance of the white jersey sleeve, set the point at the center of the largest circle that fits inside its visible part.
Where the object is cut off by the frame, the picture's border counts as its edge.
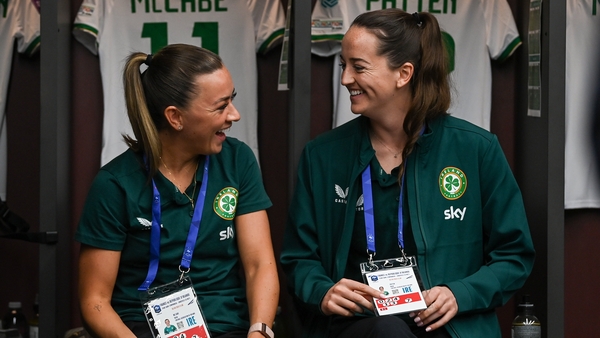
(20, 22)
(582, 182)
(478, 31)
(234, 29)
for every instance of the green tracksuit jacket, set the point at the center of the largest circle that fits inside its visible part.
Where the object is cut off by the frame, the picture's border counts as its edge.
(466, 212)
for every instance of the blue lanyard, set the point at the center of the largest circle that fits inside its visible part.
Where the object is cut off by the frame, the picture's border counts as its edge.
(369, 212)
(190, 243)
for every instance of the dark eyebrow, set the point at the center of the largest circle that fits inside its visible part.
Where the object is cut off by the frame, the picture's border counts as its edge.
(358, 59)
(226, 98)
(353, 59)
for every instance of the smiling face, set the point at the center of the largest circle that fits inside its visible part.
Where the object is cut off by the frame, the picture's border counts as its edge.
(210, 113)
(373, 85)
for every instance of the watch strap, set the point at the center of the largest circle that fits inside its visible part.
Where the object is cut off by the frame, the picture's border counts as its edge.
(263, 328)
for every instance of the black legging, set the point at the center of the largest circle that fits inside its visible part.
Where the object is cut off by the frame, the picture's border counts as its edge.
(385, 327)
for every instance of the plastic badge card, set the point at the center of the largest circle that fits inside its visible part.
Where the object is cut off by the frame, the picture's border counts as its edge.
(172, 311)
(399, 280)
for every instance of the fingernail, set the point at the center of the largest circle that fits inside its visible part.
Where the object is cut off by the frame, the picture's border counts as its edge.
(419, 324)
(428, 329)
(381, 295)
(417, 320)
(412, 315)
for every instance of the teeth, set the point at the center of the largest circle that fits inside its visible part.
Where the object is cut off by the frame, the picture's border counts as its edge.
(355, 92)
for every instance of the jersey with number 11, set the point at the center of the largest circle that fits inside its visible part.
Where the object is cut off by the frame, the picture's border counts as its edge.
(234, 29)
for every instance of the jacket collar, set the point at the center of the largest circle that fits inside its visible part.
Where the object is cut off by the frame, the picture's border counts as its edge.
(366, 148)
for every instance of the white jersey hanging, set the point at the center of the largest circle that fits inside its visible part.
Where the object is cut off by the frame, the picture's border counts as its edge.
(582, 182)
(234, 29)
(20, 21)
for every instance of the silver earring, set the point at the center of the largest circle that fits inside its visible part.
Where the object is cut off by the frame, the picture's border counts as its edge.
(180, 127)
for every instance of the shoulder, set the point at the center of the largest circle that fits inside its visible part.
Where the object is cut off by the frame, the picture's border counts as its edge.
(234, 149)
(125, 164)
(348, 135)
(459, 130)
(235, 157)
(448, 136)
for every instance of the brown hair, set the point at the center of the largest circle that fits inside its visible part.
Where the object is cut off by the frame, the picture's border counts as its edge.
(169, 80)
(417, 39)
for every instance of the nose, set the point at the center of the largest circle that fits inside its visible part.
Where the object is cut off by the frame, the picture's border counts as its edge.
(233, 114)
(346, 77)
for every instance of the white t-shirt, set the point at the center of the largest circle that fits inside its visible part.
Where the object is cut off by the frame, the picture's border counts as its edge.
(20, 21)
(234, 29)
(479, 29)
(582, 184)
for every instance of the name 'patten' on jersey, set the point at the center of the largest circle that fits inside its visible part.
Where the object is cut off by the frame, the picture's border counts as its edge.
(431, 6)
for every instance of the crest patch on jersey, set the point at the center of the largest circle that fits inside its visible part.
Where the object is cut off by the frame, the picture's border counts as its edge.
(332, 24)
(86, 10)
(453, 183)
(225, 203)
(329, 3)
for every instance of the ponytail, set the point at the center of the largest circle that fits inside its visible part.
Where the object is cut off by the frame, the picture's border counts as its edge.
(144, 129)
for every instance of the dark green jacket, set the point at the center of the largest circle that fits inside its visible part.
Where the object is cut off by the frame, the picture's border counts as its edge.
(483, 252)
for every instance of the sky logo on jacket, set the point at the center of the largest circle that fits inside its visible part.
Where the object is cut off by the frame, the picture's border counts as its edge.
(455, 213)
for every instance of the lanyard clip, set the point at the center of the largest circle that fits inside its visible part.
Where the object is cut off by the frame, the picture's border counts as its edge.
(183, 272)
(370, 263)
(404, 258)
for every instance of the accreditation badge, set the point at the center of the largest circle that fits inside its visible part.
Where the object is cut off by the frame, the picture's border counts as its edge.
(399, 280)
(173, 310)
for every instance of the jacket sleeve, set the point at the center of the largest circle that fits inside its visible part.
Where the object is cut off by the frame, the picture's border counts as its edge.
(305, 251)
(507, 247)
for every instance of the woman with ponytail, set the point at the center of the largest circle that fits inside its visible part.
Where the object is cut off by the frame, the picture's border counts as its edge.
(404, 187)
(183, 207)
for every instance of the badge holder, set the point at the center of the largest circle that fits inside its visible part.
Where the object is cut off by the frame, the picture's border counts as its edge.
(399, 280)
(173, 310)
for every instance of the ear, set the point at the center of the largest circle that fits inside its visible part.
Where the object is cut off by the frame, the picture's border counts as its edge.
(405, 73)
(174, 118)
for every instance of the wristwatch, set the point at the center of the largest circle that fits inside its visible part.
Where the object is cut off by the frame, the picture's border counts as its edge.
(263, 328)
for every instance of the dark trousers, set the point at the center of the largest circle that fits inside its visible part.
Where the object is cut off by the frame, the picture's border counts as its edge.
(382, 327)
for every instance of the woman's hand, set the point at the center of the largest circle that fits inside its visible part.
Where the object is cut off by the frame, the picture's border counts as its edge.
(348, 297)
(441, 307)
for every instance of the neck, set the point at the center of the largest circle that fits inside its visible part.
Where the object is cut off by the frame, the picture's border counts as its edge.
(180, 173)
(388, 143)
(393, 138)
